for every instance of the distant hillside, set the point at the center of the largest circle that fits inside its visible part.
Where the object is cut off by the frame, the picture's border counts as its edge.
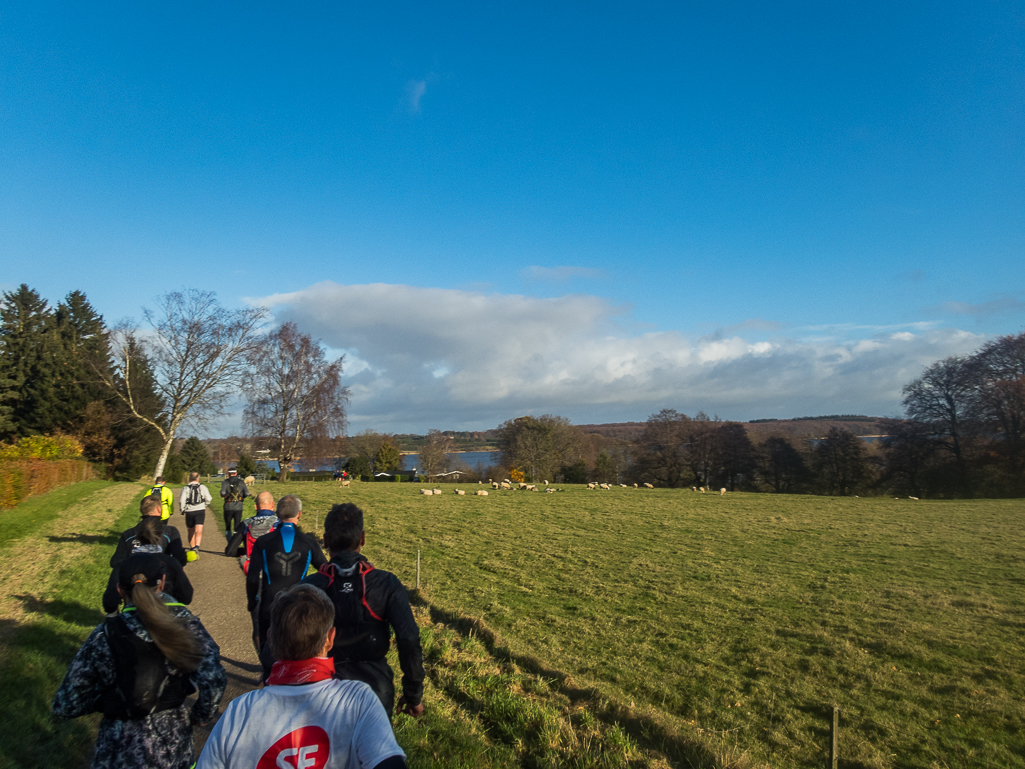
(760, 429)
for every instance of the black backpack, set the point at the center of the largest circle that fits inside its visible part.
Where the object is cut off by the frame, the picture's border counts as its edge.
(157, 493)
(144, 683)
(360, 634)
(234, 489)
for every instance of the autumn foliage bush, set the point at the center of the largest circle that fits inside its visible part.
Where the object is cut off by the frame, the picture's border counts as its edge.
(38, 463)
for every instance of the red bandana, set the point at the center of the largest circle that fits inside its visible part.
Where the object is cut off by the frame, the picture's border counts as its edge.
(297, 672)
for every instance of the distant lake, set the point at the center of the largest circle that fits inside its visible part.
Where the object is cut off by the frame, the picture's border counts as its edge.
(468, 458)
(409, 461)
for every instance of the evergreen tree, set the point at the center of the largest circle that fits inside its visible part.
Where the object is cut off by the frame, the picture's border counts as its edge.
(26, 325)
(388, 459)
(83, 352)
(246, 465)
(195, 458)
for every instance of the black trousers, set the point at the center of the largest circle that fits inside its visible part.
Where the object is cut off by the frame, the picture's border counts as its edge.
(229, 517)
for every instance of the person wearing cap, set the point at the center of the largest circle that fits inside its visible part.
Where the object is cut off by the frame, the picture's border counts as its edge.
(233, 492)
(150, 533)
(303, 717)
(137, 669)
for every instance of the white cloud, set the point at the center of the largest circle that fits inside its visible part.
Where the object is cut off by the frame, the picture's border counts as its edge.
(462, 359)
(415, 90)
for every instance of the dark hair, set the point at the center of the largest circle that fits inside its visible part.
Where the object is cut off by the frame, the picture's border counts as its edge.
(150, 506)
(151, 530)
(289, 506)
(300, 619)
(159, 479)
(343, 528)
(193, 477)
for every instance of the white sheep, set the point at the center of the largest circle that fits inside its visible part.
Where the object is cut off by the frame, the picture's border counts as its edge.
(436, 491)
(722, 491)
(480, 493)
(460, 492)
(427, 492)
(648, 486)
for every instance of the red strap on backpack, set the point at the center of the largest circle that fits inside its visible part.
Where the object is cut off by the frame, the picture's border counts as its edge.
(363, 569)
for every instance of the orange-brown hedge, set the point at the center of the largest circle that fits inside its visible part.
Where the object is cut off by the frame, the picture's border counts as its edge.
(24, 478)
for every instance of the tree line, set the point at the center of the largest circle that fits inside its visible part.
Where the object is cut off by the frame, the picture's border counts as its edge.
(127, 392)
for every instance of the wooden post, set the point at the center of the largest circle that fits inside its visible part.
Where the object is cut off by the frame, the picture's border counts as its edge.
(834, 730)
(418, 568)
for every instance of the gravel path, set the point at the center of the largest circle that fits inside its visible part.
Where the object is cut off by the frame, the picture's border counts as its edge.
(220, 603)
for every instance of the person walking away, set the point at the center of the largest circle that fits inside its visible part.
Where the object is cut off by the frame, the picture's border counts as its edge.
(137, 668)
(194, 502)
(303, 717)
(162, 494)
(369, 604)
(150, 532)
(279, 560)
(233, 492)
(251, 529)
(130, 541)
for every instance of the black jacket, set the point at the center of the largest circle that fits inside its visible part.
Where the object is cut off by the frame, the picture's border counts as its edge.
(127, 543)
(178, 585)
(387, 598)
(272, 570)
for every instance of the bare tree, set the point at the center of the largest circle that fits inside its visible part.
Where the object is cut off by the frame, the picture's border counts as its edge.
(294, 395)
(434, 453)
(195, 349)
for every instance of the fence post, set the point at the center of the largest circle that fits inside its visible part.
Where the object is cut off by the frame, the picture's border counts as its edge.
(834, 730)
(418, 568)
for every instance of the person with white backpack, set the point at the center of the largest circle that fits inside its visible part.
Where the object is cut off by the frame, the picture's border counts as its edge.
(193, 503)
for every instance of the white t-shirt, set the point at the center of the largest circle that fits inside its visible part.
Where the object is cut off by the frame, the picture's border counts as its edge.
(325, 725)
(183, 498)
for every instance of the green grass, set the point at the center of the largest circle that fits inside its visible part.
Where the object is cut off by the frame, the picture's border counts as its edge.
(725, 629)
(35, 512)
(61, 608)
(661, 628)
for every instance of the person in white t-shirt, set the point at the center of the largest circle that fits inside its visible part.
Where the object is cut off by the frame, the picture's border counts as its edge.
(304, 717)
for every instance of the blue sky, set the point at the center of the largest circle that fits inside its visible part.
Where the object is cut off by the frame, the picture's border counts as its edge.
(591, 210)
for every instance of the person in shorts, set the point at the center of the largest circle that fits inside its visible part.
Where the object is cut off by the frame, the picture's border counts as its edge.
(194, 502)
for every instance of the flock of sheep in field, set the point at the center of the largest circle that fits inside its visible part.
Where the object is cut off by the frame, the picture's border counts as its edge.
(512, 486)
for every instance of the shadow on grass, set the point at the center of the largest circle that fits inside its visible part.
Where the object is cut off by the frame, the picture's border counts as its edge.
(36, 659)
(65, 611)
(108, 540)
(645, 731)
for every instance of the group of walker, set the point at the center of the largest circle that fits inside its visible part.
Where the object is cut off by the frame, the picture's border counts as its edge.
(322, 639)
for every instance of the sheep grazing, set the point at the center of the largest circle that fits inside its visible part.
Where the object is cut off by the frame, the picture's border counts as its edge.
(249, 480)
(721, 492)
(623, 485)
(914, 498)
(546, 483)
(648, 486)
(480, 493)
(604, 486)
(494, 484)
(693, 488)
(460, 492)
(436, 491)
(345, 484)
(591, 485)
(702, 489)
(427, 492)
(506, 485)
(635, 485)
(549, 491)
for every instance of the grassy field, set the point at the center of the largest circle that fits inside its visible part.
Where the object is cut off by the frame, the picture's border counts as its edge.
(55, 549)
(704, 630)
(629, 628)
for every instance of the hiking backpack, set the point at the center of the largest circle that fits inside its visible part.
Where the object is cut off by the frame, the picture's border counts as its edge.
(234, 490)
(195, 496)
(358, 637)
(144, 683)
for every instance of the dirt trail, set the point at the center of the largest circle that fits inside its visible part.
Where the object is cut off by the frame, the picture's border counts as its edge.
(220, 603)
